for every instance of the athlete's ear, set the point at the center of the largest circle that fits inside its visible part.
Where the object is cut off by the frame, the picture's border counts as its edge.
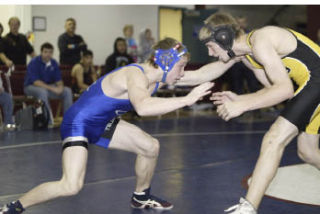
(225, 37)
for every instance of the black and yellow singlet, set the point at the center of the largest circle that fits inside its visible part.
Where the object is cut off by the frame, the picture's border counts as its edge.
(303, 66)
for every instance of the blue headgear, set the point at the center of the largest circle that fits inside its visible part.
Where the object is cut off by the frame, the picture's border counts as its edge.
(166, 59)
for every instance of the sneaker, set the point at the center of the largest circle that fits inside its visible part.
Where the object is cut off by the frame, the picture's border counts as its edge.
(10, 127)
(244, 207)
(147, 201)
(12, 208)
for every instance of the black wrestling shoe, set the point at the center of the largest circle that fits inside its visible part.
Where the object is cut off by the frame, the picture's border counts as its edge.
(12, 208)
(147, 201)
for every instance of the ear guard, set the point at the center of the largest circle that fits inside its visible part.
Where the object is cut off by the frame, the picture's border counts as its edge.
(166, 59)
(224, 36)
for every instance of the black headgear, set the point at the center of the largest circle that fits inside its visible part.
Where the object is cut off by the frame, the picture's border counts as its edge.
(223, 35)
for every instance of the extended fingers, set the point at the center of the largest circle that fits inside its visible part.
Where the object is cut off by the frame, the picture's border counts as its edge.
(207, 85)
(223, 112)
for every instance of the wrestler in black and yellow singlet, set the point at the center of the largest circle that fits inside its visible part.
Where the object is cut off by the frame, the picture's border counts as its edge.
(303, 66)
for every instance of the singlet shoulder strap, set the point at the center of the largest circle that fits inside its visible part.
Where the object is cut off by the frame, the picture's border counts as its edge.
(248, 38)
(155, 88)
(138, 66)
(157, 84)
(141, 68)
(250, 58)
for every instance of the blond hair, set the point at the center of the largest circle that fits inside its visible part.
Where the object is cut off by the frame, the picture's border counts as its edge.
(126, 27)
(219, 19)
(14, 18)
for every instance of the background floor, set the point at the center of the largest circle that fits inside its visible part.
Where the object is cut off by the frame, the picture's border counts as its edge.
(201, 165)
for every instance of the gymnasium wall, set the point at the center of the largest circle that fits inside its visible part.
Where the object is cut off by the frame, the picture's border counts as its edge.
(98, 25)
(23, 12)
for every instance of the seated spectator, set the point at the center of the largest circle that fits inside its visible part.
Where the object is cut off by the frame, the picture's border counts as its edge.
(15, 46)
(7, 108)
(145, 45)
(131, 42)
(119, 57)
(43, 80)
(83, 74)
(70, 44)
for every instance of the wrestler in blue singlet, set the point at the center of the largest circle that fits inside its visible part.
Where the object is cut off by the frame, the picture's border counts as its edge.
(93, 113)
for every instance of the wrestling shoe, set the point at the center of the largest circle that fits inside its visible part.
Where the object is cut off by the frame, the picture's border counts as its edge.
(12, 208)
(244, 207)
(145, 200)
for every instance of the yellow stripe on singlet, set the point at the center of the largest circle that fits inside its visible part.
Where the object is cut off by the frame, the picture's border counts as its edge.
(250, 59)
(313, 126)
(313, 46)
(308, 42)
(298, 72)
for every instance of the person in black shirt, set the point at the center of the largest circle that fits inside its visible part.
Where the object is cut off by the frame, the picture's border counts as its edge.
(70, 44)
(119, 57)
(3, 57)
(15, 45)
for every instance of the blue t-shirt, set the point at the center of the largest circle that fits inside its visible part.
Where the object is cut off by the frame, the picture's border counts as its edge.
(39, 70)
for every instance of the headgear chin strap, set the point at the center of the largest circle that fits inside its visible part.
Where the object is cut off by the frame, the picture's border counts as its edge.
(222, 35)
(166, 59)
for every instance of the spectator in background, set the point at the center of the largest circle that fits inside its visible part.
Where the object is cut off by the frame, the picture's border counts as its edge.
(7, 108)
(145, 44)
(119, 57)
(15, 46)
(43, 80)
(131, 42)
(3, 58)
(70, 44)
(83, 74)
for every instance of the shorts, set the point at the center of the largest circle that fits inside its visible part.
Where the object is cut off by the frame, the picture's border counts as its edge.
(73, 139)
(303, 110)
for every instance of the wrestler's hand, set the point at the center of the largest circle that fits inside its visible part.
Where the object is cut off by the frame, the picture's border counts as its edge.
(199, 92)
(223, 97)
(229, 110)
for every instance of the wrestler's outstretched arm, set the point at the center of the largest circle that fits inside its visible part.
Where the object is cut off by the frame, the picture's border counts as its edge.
(206, 73)
(145, 105)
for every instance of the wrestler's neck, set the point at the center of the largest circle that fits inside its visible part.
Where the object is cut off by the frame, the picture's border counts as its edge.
(153, 74)
(240, 46)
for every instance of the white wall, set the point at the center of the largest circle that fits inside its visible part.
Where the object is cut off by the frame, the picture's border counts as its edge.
(23, 12)
(98, 25)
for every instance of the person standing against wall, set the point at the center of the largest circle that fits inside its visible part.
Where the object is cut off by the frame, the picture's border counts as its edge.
(15, 46)
(70, 44)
